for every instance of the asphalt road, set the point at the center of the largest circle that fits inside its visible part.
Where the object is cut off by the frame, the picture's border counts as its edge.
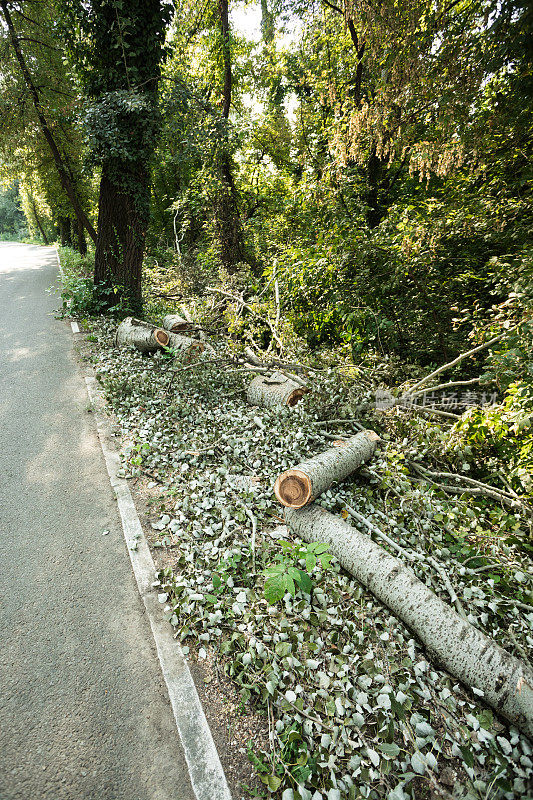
(83, 707)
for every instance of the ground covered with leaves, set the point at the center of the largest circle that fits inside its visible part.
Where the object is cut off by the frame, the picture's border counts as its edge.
(353, 705)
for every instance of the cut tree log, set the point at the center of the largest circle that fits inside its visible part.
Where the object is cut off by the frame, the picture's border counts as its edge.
(465, 652)
(275, 389)
(145, 337)
(176, 324)
(191, 348)
(301, 485)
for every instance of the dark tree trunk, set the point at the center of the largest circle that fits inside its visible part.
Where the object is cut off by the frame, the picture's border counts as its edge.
(227, 217)
(38, 223)
(376, 211)
(121, 235)
(79, 239)
(65, 231)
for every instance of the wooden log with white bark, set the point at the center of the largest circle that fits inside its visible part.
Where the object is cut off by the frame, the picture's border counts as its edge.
(145, 337)
(184, 345)
(465, 652)
(275, 389)
(176, 324)
(301, 485)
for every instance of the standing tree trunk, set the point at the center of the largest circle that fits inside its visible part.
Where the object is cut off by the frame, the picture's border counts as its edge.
(121, 235)
(80, 240)
(38, 222)
(65, 231)
(227, 217)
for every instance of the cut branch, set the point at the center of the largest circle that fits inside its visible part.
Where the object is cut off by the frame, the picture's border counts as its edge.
(275, 389)
(145, 337)
(301, 485)
(461, 357)
(176, 324)
(249, 308)
(469, 655)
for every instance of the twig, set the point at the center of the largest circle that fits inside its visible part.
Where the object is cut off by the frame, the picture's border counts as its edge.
(410, 556)
(426, 410)
(462, 356)
(341, 421)
(254, 530)
(493, 490)
(521, 650)
(441, 386)
(154, 477)
(251, 310)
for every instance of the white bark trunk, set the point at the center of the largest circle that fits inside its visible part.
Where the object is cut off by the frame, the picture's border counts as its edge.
(184, 344)
(192, 348)
(274, 390)
(301, 485)
(142, 335)
(176, 324)
(469, 655)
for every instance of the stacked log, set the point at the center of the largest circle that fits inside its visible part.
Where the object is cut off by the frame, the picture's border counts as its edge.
(276, 389)
(299, 486)
(145, 337)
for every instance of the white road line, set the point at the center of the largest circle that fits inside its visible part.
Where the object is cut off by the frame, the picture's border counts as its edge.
(205, 770)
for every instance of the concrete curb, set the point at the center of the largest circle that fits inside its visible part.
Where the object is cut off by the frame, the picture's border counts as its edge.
(205, 770)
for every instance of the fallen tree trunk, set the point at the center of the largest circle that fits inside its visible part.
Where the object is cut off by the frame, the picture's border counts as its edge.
(145, 337)
(299, 486)
(275, 389)
(464, 651)
(176, 324)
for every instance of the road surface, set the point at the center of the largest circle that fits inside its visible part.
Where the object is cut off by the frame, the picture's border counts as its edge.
(83, 708)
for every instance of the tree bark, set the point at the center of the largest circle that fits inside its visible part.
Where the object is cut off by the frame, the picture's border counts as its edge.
(121, 235)
(61, 166)
(469, 655)
(38, 222)
(227, 217)
(191, 348)
(65, 231)
(145, 337)
(176, 324)
(275, 390)
(299, 486)
(81, 242)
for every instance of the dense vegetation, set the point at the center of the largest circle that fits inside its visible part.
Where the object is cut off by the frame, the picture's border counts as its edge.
(347, 187)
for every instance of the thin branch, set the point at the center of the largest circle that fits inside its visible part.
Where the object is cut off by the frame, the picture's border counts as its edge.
(461, 357)
(441, 386)
(250, 309)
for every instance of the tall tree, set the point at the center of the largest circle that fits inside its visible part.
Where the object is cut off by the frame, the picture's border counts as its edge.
(118, 49)
(227, 215)
(33, 70)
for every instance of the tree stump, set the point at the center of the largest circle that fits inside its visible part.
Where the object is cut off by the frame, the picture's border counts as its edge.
(301, 485)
